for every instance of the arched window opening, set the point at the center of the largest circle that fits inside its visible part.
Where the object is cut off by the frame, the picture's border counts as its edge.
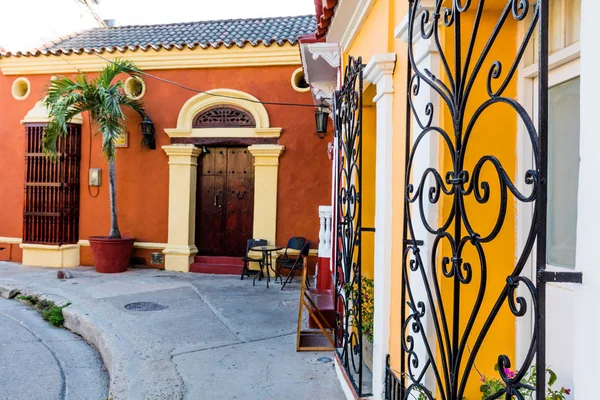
(224, 117)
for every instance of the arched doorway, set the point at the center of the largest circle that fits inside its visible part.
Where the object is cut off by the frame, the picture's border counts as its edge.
(227, 120)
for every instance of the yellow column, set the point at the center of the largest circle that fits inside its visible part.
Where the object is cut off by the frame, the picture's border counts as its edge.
(266, 167)
(183, 170)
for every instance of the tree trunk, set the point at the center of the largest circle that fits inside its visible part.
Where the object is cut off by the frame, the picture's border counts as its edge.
(112, 190)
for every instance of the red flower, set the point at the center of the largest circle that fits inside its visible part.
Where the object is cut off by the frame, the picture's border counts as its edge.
(567, 391)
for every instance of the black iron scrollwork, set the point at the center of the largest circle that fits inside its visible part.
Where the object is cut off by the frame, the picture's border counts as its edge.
(348, 128)
(437, 341)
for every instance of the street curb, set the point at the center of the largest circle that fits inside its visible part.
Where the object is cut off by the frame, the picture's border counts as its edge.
(119, 361)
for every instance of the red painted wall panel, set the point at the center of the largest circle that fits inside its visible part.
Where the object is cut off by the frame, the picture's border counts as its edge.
(142, 174)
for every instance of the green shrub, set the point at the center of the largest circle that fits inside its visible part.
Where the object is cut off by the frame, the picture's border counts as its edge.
(50, 311)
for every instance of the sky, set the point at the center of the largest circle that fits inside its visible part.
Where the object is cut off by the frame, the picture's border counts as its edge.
(27, 24)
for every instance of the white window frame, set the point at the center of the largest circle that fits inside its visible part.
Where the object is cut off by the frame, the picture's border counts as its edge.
(564, 65)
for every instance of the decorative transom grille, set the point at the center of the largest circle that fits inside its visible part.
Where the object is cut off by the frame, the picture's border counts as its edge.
(224, 116)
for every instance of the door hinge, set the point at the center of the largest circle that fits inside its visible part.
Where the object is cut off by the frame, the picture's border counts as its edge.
(560, 277)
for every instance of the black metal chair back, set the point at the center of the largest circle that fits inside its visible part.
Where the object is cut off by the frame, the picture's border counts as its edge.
(247, 259)
(253, 243)
(297, 264)
(295, 243)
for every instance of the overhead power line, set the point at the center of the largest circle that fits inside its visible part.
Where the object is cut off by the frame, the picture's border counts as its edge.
(191, 89)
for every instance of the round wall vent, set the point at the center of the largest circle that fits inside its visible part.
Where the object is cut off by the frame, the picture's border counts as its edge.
(21, 88)
(135, 88)
(299, 82)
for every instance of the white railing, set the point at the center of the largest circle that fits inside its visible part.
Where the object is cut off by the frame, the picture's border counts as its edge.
(325, 231)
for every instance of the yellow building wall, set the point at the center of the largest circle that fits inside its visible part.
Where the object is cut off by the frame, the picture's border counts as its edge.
(494, 133)
(369, 142)
(373, 36)
(376, 36)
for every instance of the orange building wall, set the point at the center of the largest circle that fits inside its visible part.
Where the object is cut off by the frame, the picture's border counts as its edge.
(142, 174)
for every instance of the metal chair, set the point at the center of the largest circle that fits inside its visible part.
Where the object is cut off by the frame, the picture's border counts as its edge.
(247, 259)
(294, 243)
(296, 264)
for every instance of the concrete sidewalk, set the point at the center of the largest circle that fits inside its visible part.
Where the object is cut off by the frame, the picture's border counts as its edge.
(42, 362)
(218, 338)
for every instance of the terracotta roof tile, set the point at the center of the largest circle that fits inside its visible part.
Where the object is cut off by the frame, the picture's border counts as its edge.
(204, 34)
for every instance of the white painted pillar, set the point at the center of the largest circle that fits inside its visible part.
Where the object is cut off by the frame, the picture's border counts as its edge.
(587, 295)
(325, 214)
(379, 71)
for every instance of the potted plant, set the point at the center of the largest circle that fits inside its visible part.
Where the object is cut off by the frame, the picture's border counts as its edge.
(104, 98)
(367, 314)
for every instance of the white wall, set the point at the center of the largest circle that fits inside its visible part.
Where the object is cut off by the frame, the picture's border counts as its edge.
(587, 296)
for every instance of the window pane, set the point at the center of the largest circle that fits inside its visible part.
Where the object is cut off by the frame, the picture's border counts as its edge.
(573, 21)
(563, 173)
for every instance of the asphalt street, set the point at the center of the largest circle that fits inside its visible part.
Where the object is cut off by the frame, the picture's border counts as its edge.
(43, 362)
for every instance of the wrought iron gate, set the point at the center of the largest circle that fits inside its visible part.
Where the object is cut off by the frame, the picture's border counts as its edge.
(348, 130)
(447, 256)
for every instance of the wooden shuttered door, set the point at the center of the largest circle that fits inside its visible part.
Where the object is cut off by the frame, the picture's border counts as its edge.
(51, 206)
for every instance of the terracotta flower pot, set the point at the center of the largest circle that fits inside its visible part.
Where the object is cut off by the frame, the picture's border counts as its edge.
(111, 255)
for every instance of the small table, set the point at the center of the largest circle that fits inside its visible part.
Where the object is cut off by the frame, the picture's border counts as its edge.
(266, 262)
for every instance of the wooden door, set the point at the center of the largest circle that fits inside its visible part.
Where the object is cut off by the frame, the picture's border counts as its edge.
(239, 200)
(225, 202)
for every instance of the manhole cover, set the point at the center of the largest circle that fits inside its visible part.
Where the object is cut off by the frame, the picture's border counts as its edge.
(324, 359)
(145, 306)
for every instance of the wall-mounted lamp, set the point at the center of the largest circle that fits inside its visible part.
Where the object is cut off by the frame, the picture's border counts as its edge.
(205, 150)
(148, 139)
(321, 118)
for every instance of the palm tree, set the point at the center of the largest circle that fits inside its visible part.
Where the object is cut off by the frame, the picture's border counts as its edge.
(104, 100)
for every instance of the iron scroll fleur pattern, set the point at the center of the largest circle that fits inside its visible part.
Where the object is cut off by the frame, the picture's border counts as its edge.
(348, 290)
(447, 354)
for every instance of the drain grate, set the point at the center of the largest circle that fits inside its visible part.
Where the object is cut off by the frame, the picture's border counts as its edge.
(145, 306)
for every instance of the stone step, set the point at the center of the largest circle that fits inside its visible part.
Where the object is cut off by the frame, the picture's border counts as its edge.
(219, 269)
(219, 260)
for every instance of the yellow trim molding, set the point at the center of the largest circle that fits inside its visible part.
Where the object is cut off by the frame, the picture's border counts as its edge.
(11, 240)
(39, 115)
(224, 132)
(38, 255)
(211, 98)
(221, 57)
(136, 245)
(183, 169)
(294, 252)
(266, 169)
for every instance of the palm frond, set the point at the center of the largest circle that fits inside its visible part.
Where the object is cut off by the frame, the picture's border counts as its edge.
(135, 105)
(116, 67)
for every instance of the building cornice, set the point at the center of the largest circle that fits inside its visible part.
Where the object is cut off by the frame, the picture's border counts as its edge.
(349, 17)
(221, 57)
(379, 71)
